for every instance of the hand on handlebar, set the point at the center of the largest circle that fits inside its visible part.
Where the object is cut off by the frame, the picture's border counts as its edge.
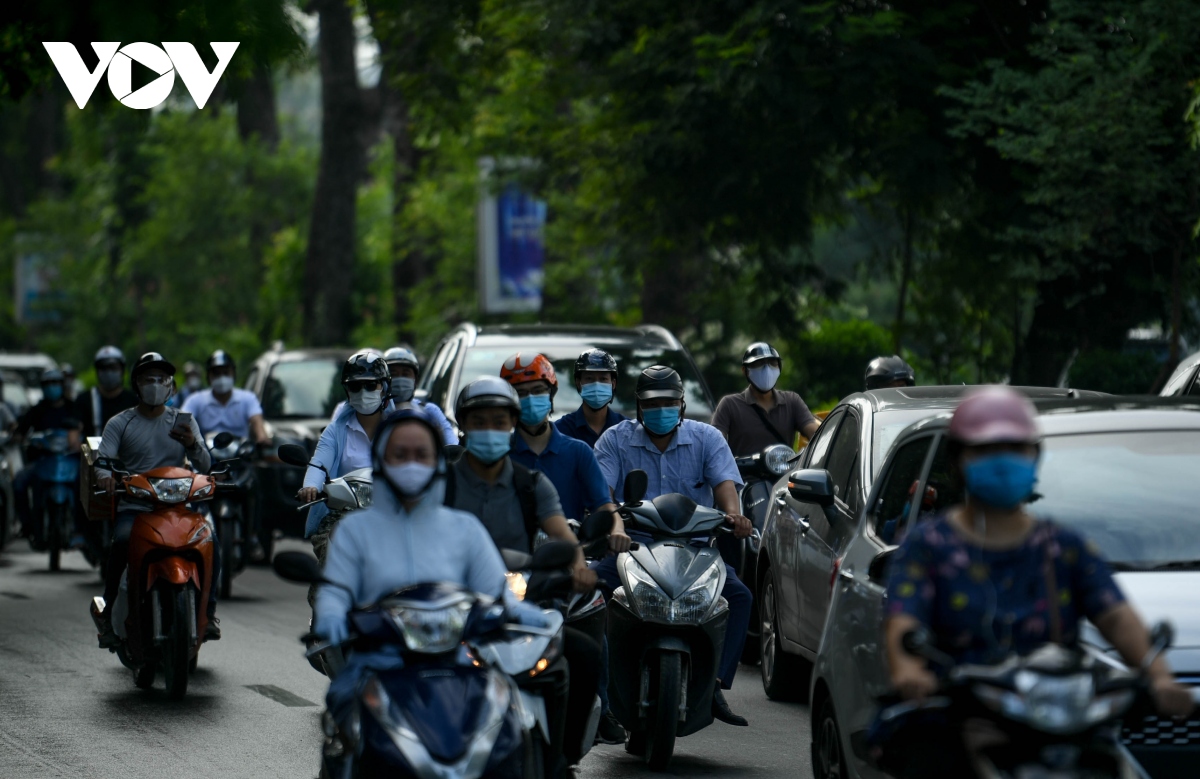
(308, 495)
(742, 528)
(1171, 698)
(108, 484)
(618, 542)
(584, 578)
(912, 680)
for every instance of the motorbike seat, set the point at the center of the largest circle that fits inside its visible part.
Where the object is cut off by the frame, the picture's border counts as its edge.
(674, 510)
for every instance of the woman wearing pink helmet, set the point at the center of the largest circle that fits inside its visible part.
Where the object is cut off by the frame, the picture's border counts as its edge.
(986, 578)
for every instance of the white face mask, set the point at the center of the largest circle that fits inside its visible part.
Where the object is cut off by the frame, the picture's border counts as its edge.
(222, 384)
(411, 479)
(764, 378)
(367, 401)
(402, 388)
(154, 394)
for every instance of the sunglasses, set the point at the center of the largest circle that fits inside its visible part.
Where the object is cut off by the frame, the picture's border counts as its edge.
(360, 386)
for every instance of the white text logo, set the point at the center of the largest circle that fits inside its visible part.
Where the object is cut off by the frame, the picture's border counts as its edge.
(173, 57)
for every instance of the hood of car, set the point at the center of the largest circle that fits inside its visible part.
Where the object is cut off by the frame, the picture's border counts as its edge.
(1164, 596)
(296, 430)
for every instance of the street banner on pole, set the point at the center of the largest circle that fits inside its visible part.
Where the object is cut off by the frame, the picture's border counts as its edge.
(511, 252)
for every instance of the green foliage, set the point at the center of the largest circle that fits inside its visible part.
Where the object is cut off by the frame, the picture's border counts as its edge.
(829, 361)
(1121, 373)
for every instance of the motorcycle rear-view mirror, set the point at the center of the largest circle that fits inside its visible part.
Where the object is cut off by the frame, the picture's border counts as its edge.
(553, 556)
(636, 484)
(110, 464)
(597, 525)
(222, 440)
(294, 454)
(516, 561)
(454, 452)
(297, 567)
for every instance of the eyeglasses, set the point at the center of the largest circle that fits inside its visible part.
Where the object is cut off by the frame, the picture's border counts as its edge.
(360, 386)
(146, 381)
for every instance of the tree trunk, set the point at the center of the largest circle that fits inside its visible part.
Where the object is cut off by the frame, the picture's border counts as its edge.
(256, 114)
(905, 275)
(329, 265)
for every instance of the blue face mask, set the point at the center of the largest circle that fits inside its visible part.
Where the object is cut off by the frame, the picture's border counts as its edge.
(53, 391)
(661, 421)
(534, 409)
(1002, 480)
(596, 395)
(488, 446)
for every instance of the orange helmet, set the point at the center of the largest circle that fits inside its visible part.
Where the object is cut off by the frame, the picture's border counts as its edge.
(519, 369)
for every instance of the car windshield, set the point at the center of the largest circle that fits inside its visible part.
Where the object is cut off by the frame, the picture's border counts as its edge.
(889, 425)
(631, 361)
(303, 389)
(1132, 494)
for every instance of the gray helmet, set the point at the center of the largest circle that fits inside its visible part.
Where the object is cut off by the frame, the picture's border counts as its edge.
(401, 355)
(486, 392)
(760, 350)
(659, 381)
(109, 354)
(51, 375)
(885, 370)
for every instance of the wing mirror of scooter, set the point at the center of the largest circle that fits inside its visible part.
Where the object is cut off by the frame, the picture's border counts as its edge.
(222, 440)
(554, 556)
(294, 454)
(111, 464)
(516, 561)
(454, 452)
(299, 567)
(636, 484)
(597, 525)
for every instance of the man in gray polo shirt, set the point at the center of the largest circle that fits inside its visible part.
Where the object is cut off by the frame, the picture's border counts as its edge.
(761, 415)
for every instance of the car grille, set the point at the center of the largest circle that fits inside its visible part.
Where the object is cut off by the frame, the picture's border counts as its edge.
(1162, 732)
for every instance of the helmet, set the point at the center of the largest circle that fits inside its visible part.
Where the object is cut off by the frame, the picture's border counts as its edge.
(595, 360)
(51, 375)
(884, 370)
(486, 392)
(401, 355)
(995, 415)
(109, 354)
(67, 369)
(146, 362)
(218, 359)
(364, 366)
(659, 381)
(190, 367)
(760, 350)
(518, 369)
(404, 412)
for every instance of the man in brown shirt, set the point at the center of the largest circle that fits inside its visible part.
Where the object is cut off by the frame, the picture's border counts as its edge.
(761, 415)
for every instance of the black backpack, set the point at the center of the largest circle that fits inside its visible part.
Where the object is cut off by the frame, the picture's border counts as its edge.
(525, 483)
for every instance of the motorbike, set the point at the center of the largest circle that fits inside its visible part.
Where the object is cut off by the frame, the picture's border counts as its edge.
(160, 614)
(343, 494)
(7, 512)
(228, 509)
(450, 712)
(57, 469)
(1056, 712)
(666, 623)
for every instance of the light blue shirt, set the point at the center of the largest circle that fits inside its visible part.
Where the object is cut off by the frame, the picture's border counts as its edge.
(696, 460)
(449, 437)
(331, 447)
(232, 417)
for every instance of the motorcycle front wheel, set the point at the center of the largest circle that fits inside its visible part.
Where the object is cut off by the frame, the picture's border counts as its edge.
(54, 537)
(664, 719)
(177, 647)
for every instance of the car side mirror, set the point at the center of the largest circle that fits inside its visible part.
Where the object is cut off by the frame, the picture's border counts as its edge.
(812, 485)
(294, 454)
(877, 570)
(636, 484)
(297, 567)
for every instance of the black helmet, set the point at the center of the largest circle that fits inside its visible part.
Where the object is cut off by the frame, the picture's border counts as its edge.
(146, 362)
(402, 355)
(51, 375)
(365, 366)
(595, 360)
(885, 370)
(67, 369)
(219, 359)
(486, 392)
(659, 381)
(109, 354)
(760, 350)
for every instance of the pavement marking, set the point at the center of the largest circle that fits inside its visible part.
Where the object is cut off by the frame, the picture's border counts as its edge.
(15, 595)
(279, 695)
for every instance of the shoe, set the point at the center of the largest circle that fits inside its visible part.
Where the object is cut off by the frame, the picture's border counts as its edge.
(721, 711)
(609, 731)
(257, 553)
(107, 636)
(212, 631)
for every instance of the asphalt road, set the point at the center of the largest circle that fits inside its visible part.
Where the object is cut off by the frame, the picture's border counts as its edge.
(68, 709)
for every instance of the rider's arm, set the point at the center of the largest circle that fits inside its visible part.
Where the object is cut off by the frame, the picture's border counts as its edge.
(608, 458)
(721, 417)
(198, 453)
(258, 430)
(448, 436)
(324, 455)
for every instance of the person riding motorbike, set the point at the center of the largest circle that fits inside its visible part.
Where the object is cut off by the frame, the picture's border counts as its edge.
(981, 578)
(571, 467)
(345, 445)
(52, 412)
(109, 397)
(688, 457)
(595, 378)
(144, 438)
(405, 369)
(193, 381)
(761, 415)
(68, 372)
(884, 372)
(513, 503)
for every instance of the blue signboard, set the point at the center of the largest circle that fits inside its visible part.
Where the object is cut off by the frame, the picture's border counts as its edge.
(511, 251)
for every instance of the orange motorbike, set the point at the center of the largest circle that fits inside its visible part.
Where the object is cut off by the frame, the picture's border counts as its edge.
(161, 610)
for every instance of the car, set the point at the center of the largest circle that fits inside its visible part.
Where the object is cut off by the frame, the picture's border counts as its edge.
(803, 538)
(29, 366)
(16, 392)
(470, 351)
(1183, 379)
(1120, 471)
(298, 390)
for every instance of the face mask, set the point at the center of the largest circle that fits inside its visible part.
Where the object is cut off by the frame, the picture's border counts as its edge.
(222, 384)
(155, 394)
(661, 421)
(410, 479)
(108, 379)
(192, 383)
(596, 395)
(488, 446)
(764, 378)
(534, 409)
(1001, 480)
(53, 391)
(403, 388)
(366, 402)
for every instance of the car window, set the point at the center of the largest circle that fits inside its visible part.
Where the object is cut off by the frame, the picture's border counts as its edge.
(843, 456)
(1194, 388)
(251, 379)
(888, 425)
(819, 446)
(303, 389)
(434, 366)
(1180, 382)
(895, 497)
(947, 490)
(439, 385)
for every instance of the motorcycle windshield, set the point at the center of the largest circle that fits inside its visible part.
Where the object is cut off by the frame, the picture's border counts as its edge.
(444, 706)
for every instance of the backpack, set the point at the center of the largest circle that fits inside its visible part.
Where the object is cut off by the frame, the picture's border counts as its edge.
(525, 483)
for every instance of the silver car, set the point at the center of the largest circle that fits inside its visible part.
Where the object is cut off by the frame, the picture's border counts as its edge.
(1119, 471)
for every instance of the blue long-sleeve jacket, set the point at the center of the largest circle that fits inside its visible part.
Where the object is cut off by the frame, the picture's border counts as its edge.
(329, 454)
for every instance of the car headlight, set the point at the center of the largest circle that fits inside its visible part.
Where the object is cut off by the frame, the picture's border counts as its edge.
(430, 631)
(362, 492)
(778, 458)
(517, 584)
(652, 603)
(172, 490)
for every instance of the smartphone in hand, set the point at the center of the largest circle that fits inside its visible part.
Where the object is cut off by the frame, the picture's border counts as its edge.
(183, 421)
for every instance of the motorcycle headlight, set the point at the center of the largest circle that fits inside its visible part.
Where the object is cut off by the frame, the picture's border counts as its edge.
(517, 584)
(1060, 705)
(777, 458)
(430, 631)
(362, 492)
(172, 490)
(652, 603)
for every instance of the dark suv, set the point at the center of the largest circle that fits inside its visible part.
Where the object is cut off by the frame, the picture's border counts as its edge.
(298, 390)
(470, 351)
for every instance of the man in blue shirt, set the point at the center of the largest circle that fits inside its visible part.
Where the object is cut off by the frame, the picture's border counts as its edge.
(595, 377)
(688, 457)
(405, 369)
